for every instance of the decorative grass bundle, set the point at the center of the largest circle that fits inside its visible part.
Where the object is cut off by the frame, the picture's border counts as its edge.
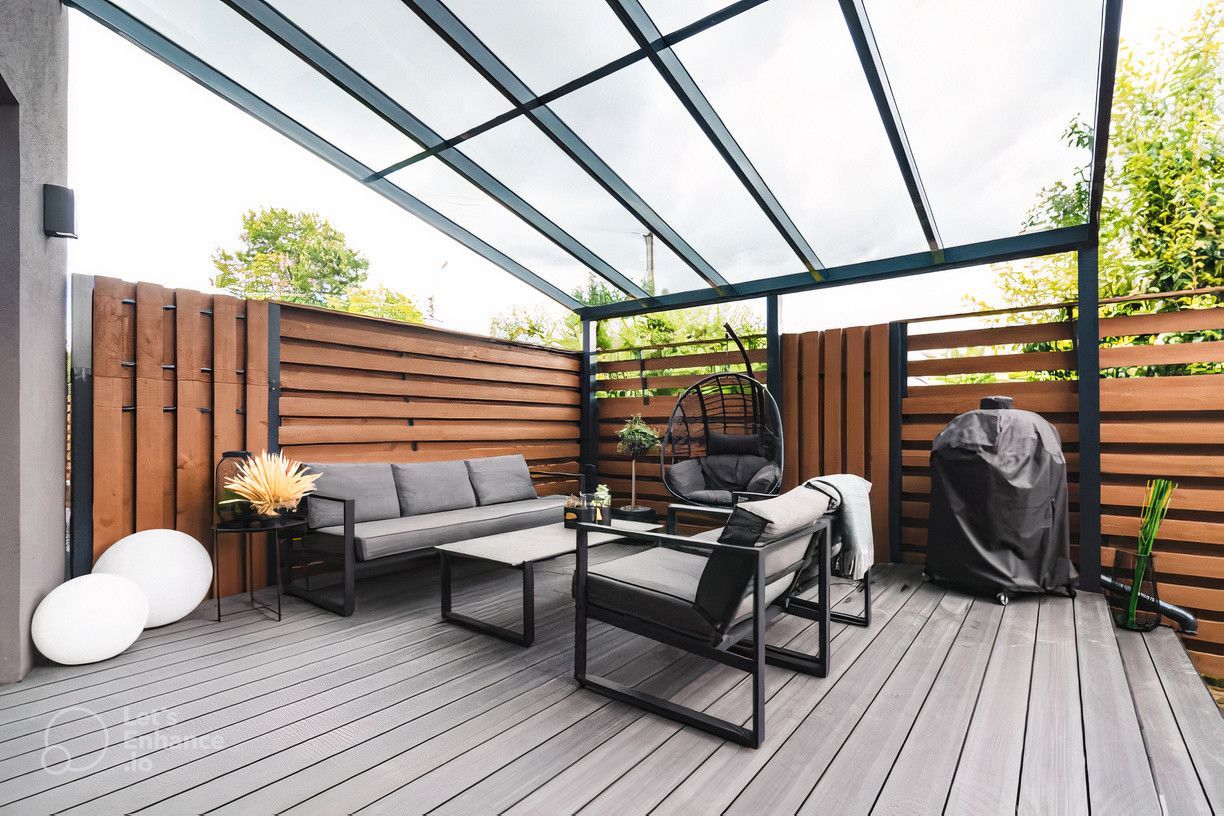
(271, 483)
(1155, 507)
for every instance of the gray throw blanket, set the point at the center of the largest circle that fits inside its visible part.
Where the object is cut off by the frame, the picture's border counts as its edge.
(850, 502)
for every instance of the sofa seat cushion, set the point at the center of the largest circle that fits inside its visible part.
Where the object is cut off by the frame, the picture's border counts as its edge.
(659, 586)
(371, 485)
(376, 539)
(432, 487)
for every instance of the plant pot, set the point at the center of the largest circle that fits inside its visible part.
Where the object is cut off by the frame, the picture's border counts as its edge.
(590, 515)
(631, 513)
(1135, 604)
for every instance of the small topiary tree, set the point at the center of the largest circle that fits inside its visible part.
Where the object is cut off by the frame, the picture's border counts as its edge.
(636, 439)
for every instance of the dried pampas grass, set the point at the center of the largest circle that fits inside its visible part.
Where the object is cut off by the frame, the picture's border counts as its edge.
(270, 482)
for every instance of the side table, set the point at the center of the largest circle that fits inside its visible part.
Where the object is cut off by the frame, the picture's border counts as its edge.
(276, 527)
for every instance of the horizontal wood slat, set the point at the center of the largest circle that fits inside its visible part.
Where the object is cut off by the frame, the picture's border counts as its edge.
(680, 362)
(316, 354)
(358, 331)
(359, 390)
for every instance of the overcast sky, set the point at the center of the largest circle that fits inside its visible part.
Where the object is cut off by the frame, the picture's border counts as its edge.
(163, 169)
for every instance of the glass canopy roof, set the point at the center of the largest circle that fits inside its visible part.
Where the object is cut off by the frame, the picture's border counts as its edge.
(667, 147)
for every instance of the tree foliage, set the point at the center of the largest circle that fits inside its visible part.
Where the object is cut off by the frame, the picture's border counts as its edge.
(1163, 210)
(299, 257)
(659, 328)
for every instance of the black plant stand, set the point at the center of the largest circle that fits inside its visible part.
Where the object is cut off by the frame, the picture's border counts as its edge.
(246, 529)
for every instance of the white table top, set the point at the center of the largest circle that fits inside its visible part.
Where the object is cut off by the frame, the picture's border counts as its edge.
(536, 543)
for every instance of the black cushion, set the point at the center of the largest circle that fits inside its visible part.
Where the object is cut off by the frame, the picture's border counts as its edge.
(737, 444)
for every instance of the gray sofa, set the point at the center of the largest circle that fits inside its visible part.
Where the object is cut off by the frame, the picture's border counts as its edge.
(364, 512)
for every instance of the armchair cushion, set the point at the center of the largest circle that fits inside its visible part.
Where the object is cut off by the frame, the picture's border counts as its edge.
(659, 586)
(432, 487)
(730, 471)
(686, 477)
(371, 485)
(765, 480)
(498, 479)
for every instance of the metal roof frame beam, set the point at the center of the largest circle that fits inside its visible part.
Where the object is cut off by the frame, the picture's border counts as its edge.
(644, 31)
(1107, 66)
(1027, 245)
(890, 115)
(459, 37)
(590, 77)
(191, 66)
(289, 36)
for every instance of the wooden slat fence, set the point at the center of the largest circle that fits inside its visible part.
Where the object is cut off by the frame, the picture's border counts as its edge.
(1170, 425)
(361, 389)
(178, 377)
(835, 411)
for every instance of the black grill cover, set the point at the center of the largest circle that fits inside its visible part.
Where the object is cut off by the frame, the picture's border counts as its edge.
(998, 519)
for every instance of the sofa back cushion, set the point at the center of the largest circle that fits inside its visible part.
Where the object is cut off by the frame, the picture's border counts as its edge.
(372, 485)
(498, 479)
(432, 487)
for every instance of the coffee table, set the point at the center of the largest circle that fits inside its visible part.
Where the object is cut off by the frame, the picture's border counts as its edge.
(519, 550)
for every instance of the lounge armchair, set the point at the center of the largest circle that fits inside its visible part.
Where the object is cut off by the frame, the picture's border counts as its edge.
(713, 598)
(809, 575)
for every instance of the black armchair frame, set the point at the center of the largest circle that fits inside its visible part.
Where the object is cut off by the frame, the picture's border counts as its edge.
(722, 512)
(348, 566)
(740, 648)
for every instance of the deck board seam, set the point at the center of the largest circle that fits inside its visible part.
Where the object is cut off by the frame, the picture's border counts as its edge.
(1028, 705)
(918, 714)
(876, 696)
(1180, 731)
(834, 685)
(973, 713)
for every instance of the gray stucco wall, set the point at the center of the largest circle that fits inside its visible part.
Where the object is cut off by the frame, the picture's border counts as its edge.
(34, 68)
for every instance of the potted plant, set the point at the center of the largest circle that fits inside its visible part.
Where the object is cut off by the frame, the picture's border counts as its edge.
(271, 484)
(636, 439)
(1142, 564)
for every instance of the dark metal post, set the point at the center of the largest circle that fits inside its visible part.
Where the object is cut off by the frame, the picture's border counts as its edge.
(589, 426)
(898, 378)
(1088, 362)
(773, 349)
(580, 606)
(274, 336)
(79, 556)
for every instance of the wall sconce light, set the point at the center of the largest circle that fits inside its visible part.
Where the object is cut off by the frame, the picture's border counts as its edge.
(59, 212)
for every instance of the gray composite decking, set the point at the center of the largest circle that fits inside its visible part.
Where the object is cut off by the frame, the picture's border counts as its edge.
(946, 704)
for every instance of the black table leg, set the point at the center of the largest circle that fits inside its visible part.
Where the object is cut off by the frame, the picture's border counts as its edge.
(216, 556)
(524, 638)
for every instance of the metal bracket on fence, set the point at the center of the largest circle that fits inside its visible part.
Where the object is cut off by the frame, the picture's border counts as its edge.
(169, 307)
(169, 409)
(642, 374)
(128, 301)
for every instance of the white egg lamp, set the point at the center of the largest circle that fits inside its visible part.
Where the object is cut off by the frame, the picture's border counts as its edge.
(88, 619)
(172, 568)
